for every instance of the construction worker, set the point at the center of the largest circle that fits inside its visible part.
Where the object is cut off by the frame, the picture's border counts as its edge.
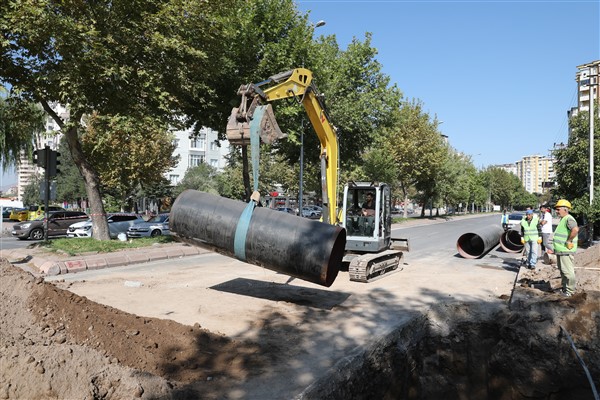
(504, 221)
(565, 245)
(530, 238)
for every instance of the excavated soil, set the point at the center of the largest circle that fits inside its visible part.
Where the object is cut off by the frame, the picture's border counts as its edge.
(55, 344)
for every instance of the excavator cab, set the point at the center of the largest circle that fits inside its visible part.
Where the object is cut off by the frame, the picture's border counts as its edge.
(367, 229)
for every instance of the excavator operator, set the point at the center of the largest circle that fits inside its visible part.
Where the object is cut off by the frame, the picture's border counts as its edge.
(368, 207)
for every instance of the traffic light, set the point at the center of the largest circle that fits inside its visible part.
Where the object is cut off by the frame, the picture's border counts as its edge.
(53, 163)
(39, 157)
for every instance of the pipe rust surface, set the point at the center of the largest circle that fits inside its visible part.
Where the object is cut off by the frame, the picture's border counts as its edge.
(295, 246)
(478, 243)
(510, 241)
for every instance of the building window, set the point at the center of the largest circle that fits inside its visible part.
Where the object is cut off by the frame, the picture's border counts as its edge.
(214, 162)
(174, 179)
(196, 159)
(213, 145)
(198, 142)
(176, 143)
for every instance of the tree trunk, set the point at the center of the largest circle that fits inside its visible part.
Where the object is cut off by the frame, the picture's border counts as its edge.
(92, 185)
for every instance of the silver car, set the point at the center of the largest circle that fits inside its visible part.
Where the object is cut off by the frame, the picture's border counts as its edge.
(155, 226)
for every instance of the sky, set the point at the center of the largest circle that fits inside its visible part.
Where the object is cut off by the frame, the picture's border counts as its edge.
(499, 74)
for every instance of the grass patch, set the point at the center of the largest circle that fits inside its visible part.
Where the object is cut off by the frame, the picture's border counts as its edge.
(75, 246)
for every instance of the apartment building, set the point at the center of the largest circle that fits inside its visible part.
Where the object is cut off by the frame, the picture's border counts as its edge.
(195, 150)
(510, 168)
(587, 78)
(536, 173)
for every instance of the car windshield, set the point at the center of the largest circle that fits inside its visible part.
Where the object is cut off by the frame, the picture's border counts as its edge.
(159, 218)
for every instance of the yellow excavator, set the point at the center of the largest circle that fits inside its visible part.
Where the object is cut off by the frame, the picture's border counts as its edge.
(370, 250)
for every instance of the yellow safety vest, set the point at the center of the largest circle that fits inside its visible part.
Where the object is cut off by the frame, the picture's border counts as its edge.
(561, 234)
(530, 229)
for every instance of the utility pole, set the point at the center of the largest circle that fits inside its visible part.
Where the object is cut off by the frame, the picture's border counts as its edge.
(592, 98)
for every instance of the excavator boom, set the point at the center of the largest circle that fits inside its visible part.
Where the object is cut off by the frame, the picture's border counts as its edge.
(253, 115)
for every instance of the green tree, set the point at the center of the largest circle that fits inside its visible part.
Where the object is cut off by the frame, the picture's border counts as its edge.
(20, 120)
(202, 178)
(128, 153)
(69, 184)
(572, 167)
(31, 193)
(157, 57)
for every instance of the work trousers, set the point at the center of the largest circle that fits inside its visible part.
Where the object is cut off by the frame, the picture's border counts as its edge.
(566, 265)
(531, 253)
(546, 244)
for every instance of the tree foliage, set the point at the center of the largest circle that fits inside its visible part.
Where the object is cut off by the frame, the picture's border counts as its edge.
(128, 153)
(19, 122)
(573, 164)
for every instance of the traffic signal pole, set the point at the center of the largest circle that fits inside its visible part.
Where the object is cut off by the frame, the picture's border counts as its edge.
(47, 152)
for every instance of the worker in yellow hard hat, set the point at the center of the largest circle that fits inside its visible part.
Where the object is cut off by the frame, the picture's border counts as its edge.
(565, 245)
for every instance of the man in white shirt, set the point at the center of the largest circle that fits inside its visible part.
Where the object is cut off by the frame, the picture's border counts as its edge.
(546, 223)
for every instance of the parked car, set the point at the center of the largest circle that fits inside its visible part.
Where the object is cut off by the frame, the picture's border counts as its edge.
(287, 210)
(311, 212)
(58, 224)
(6, 212)
(19, 214)
(38, 211)
(155, 226)
(514, 220)
(117, 223)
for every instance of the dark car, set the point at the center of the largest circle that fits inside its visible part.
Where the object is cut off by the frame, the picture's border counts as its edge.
(58, 223)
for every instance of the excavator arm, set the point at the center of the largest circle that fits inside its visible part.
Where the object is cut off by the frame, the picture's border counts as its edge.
(252, 115)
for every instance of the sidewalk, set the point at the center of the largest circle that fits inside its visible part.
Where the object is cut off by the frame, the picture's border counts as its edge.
(42, 261)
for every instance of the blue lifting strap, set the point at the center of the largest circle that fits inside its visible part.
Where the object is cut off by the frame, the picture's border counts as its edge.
(241, 231)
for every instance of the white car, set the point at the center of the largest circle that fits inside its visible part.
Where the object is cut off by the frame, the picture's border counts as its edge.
(117, 223)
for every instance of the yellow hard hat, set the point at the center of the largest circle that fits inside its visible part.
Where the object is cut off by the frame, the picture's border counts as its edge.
(563, 203)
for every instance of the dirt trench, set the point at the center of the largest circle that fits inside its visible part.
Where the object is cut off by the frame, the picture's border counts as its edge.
(55, 344)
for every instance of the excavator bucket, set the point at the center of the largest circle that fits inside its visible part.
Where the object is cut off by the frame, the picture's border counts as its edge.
(262, 121)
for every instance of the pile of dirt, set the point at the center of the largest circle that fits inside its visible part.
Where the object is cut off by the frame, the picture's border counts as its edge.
(55, 344)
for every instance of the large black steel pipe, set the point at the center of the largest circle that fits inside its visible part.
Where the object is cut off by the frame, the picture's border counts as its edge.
(510, 241)
(295, 246)
(476, 244)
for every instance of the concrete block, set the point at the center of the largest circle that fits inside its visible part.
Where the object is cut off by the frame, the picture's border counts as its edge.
(190, 250)
(116, 260)
(138, 257)
(63, 268)
(96, 263)
(174, 252)
(75, 265)
(50, 268)
(157, 254)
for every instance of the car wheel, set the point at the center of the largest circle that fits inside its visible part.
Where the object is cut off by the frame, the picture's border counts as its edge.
(36, 234)
(155, 233)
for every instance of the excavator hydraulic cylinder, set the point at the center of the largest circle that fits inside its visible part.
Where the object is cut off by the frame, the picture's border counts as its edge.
(299, 247)
(476, 244)
(510, 241)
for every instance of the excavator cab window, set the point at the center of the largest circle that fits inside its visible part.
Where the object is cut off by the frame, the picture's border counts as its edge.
(360, 218)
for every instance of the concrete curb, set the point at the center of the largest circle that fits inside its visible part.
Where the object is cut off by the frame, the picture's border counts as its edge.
(49, 264)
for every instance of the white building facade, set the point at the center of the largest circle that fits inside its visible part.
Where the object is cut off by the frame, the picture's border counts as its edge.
(195, 150)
